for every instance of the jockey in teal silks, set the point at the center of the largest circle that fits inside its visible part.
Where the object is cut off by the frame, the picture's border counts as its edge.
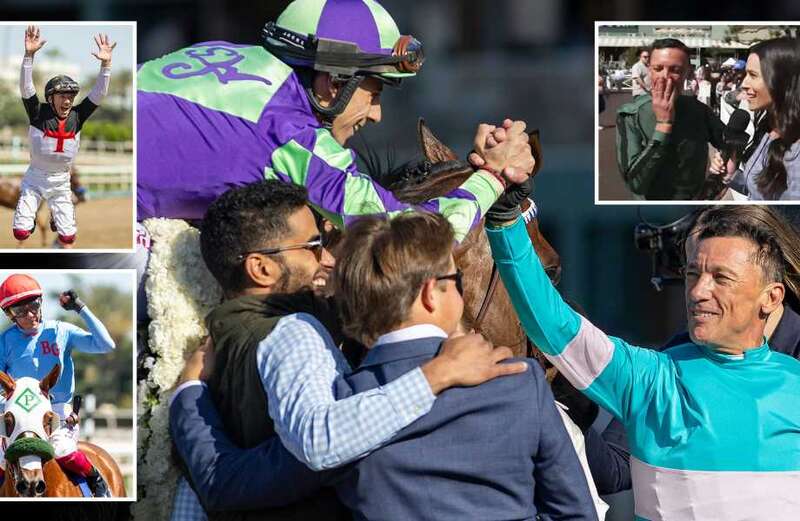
(32, 347)
(217, 115)
(714, 424)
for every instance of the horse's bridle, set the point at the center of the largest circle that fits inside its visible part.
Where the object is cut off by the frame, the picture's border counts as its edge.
(529, 215)
(13, 467)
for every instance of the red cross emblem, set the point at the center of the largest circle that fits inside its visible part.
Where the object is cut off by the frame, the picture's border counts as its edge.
(60, 135)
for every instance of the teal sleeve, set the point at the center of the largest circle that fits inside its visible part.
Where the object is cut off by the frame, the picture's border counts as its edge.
(618, 376)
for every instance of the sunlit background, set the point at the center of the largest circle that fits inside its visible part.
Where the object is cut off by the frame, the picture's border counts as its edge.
(105, 381)
(104, 165)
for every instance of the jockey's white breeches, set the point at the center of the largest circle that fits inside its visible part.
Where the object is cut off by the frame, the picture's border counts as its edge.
(38, 185)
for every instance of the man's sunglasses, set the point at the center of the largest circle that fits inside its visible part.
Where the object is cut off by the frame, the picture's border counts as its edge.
(315, 246)
(20, 310)
(458, 277)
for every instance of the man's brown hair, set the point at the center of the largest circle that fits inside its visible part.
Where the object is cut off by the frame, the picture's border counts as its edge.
(382, 268)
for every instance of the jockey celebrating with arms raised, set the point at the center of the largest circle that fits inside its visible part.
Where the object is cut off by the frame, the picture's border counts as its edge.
(32, 347)
(54, 133)
(217, 115)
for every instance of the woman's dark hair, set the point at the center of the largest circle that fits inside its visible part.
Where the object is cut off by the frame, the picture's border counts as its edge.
(780, 68)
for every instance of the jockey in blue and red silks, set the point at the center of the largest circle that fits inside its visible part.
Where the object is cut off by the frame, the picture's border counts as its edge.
(32, 347)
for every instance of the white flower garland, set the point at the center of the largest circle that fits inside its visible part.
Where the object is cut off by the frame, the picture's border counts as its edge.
(180, 293)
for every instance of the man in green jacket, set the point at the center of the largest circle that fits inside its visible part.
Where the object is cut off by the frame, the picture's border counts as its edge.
(663, 137)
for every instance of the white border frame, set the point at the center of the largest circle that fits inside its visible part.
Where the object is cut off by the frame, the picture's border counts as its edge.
(134, 181)
(129, 498)
(614, 202)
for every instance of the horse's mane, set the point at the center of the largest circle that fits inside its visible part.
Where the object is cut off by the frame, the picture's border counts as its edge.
(432, 173)
(435, 180)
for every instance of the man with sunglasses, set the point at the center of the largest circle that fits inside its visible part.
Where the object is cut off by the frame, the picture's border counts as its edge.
(262, 244)
(466, 452)
(495, 451)
(32, 347)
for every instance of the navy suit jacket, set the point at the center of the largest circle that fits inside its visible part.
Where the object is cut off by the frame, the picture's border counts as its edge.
(495, 451)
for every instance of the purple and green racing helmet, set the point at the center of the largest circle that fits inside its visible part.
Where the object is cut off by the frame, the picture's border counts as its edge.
(344, 37)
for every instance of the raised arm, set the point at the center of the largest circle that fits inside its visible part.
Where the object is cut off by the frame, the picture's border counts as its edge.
(315, 160)
(33, 43)
(97, 339)
(640, 159)
(105, 48)
(342, 194)
(616, 375)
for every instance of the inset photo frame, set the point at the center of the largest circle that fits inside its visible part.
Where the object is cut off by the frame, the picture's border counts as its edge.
(67, 388)
(697, 112)
(67, 127)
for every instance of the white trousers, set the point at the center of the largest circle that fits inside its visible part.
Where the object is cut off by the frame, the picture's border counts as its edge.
(53, 188)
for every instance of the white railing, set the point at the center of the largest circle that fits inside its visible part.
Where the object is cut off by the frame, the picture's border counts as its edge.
(111, 429)
(18, 146)
(97, 179)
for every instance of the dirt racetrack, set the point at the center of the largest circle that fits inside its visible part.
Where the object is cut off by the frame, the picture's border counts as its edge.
(102, 224)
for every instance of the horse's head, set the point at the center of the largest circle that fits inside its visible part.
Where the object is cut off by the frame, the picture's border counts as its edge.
(28, 422)
(441, 172)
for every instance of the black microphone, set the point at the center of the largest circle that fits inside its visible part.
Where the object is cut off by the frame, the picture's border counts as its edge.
(735, 136)
(734, 139)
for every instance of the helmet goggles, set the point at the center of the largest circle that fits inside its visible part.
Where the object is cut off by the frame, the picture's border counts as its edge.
(61, 85)
(345, 58)
(21, 309)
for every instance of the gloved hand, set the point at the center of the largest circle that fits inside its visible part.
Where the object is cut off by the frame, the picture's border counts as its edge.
(69, 300)
(73, 419)
(506, 208)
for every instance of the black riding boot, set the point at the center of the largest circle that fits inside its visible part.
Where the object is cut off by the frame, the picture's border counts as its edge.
(97, 484)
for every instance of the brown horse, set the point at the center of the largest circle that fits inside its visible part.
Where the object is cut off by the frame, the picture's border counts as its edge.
(10, 190)
(499, 322)
(28, 421)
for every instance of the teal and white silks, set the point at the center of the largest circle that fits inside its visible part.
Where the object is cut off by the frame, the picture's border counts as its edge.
(712, 436)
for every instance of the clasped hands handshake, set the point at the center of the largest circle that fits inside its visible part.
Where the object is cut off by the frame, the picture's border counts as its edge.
(505, 151)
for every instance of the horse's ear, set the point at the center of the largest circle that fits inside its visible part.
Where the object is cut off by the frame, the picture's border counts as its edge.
(434, 150)
(50, 380)
(7, 383)
(536, 150)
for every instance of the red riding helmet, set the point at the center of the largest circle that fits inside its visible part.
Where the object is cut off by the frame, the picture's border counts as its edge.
(16, 288)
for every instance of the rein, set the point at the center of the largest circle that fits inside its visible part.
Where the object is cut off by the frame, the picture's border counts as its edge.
(487, 298)
(529, 214)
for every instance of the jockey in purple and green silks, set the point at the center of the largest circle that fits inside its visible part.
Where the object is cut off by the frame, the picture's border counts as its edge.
(217, 115)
